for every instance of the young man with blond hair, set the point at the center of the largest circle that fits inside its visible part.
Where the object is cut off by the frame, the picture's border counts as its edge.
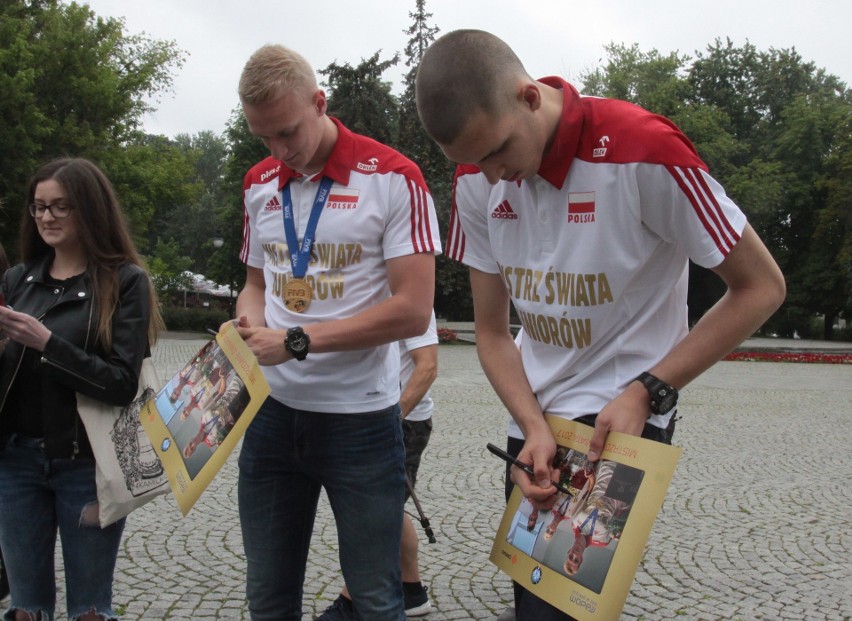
(339, 242)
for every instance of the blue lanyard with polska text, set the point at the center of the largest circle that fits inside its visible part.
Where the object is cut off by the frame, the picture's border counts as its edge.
(300, 254)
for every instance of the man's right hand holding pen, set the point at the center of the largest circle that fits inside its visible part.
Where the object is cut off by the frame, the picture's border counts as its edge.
(539, 451)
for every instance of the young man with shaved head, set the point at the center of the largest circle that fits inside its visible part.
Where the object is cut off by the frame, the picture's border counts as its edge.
(582, 213)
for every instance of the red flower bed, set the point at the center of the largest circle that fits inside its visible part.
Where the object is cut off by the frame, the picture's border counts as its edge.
(445, 335)
(789, 356)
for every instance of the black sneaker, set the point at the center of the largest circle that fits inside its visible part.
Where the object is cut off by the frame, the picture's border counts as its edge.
(417, 605)
(340, 610)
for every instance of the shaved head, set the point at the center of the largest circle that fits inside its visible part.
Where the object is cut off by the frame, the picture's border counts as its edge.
(462, 72)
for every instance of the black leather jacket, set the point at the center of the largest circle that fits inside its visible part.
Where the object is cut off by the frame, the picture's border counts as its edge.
(72, 360)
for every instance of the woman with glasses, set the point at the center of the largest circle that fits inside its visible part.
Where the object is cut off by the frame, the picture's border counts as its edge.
(85, 314)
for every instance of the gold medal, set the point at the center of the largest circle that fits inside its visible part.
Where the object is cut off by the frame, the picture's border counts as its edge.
(297, 295)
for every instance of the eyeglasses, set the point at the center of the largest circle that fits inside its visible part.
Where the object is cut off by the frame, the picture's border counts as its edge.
(57, 210)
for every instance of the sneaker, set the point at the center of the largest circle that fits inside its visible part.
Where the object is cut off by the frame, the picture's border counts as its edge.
(340, 610)
(417, 605)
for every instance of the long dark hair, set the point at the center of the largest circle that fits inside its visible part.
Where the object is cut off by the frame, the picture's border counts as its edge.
(4, 260)
(103, 234)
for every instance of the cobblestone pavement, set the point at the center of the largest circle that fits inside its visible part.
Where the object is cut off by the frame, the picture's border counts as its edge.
(756, 524)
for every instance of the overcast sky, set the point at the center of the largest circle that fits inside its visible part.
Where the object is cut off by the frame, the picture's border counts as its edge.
(551, 37)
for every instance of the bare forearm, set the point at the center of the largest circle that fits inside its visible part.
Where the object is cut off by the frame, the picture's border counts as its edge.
(406, 313)
(755, 288)
(425, 371)
(251, 304)
(728, 323)
(501, 362)
(394, 319)
(755, 291)
(414, 392)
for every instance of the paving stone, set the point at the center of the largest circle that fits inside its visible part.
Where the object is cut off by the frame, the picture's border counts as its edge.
(743, 533)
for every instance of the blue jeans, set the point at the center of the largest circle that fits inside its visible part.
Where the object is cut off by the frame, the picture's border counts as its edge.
(39, 496)
(287, 456)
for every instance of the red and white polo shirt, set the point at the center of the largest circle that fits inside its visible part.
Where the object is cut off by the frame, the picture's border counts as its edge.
(593, 249)
(379, 208)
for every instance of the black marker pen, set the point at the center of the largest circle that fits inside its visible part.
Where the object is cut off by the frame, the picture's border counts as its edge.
(525, 467)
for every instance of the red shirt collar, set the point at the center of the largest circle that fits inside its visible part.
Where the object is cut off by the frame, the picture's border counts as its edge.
(339, 163)
(558, 158)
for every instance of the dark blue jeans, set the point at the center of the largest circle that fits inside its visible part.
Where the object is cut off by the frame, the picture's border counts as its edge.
(529, 607)
(287, 456)
(40, 496)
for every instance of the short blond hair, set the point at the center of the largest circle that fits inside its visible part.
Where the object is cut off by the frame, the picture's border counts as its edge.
(273, 70)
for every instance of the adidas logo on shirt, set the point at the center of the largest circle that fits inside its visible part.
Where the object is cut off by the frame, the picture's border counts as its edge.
(273, 205)
(504, 211)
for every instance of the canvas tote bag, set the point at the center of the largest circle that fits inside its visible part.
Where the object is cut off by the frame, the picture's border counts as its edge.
(129, 472)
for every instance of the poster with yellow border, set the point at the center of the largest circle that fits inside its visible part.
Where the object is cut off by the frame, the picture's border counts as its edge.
(582, 554)
(196, 420)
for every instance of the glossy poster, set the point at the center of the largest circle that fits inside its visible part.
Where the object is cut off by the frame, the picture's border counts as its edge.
(581, 554)
(196, 420)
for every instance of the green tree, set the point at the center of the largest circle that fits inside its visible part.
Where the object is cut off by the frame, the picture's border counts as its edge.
(837, 185)
(723, 78)
(155, 180)
(70, 83)
(813, 146)
(244, 150)
(169, 270)
(361, 99)
(774, 131)
(646, 79)
(194, 224)
(452, 287)
(413, 141)
(789, 118)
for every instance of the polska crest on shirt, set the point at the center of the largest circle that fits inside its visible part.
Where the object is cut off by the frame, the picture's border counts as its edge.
(581, 207)
(343, 198)
(297, 295)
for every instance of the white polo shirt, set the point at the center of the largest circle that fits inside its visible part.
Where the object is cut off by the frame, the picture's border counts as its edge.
(379, 208)
(423, 410)
(593, 249)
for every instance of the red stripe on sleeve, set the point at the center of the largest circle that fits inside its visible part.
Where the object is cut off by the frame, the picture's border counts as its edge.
(732, 233)
(455, 236)
(412, 195)
(426, 221)
(421, 238)
(712, 209)
(705, 207)
(244, 250)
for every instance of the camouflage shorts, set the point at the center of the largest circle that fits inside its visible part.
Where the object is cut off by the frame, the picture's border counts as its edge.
(415, 437)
